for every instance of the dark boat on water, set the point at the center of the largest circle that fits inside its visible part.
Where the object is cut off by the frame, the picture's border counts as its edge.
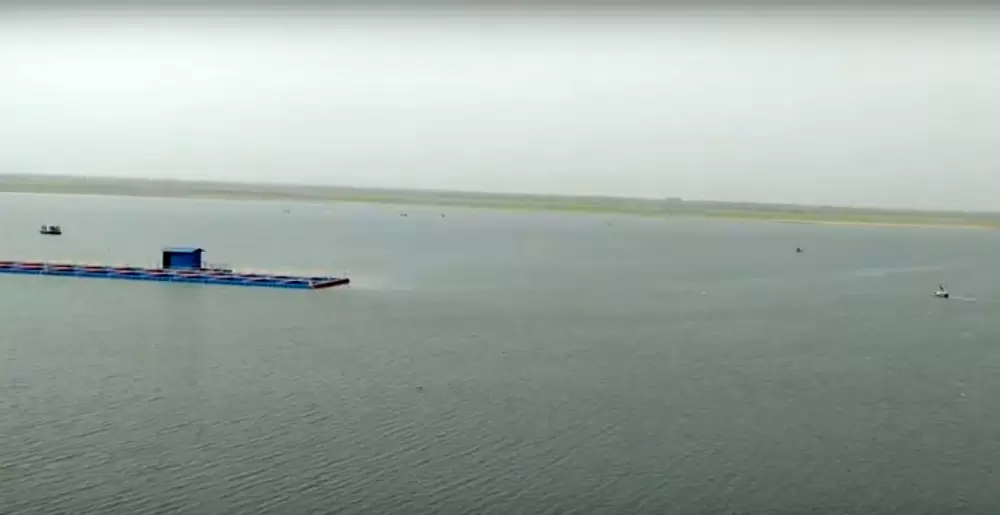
(53, 230)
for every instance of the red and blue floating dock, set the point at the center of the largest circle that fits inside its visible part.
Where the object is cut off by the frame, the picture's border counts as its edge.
(180, 265)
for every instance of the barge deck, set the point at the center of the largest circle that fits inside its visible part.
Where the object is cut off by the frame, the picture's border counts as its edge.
(180, 265)
(171, 275)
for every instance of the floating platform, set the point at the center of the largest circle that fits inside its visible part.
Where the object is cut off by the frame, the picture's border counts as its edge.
(170, 275)
(181, 265)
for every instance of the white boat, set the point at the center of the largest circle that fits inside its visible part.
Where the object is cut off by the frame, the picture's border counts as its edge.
(942, 292)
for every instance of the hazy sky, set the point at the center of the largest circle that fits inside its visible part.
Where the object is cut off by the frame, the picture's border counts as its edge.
(854, 108)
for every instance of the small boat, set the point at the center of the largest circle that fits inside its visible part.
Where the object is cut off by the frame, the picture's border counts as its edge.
(53, 230)
(798, 250)
(942, 292)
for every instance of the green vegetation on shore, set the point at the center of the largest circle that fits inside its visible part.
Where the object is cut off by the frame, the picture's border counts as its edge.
(610, 205)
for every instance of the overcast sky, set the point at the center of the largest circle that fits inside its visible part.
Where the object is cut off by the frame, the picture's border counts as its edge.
(852, 108)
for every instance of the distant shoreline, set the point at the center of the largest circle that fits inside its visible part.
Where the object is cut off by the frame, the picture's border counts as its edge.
(192, 190)
(911, 225)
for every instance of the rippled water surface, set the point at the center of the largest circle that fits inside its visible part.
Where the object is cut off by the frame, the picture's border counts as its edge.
(487, 362)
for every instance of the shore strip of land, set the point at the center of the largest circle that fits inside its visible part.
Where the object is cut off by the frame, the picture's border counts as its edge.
(670, 207)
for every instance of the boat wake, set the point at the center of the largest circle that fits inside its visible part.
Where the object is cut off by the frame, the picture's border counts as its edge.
(881, 272)
(379, 283)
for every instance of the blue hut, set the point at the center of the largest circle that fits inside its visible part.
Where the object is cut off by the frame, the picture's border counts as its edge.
(182, 257)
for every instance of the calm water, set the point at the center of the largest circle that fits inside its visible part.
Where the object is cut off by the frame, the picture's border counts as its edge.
(497, 363)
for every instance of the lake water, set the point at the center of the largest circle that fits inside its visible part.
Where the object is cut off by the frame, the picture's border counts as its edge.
(490, 362)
